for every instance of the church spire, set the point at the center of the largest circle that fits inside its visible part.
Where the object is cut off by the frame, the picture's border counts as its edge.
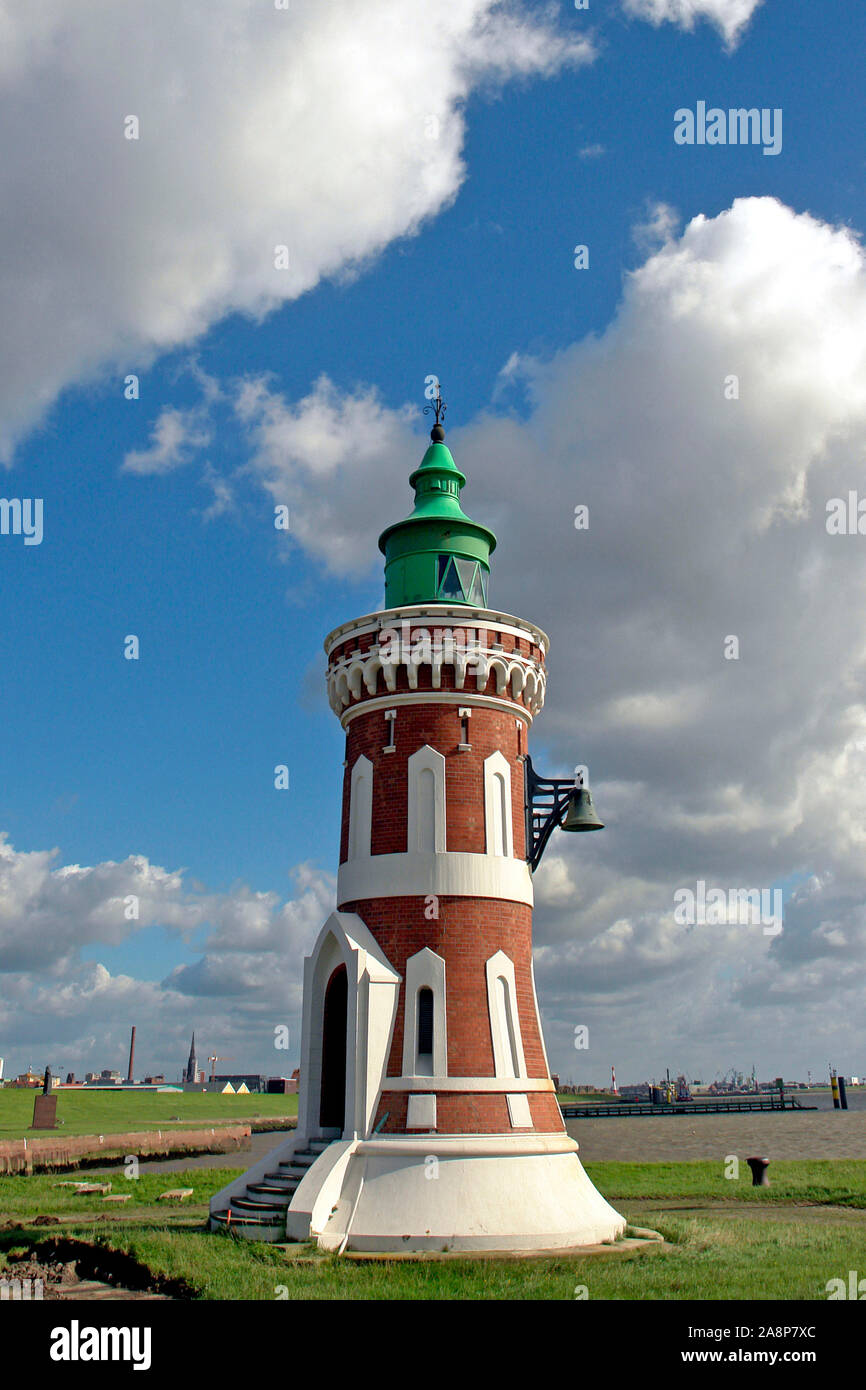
(192, 1064)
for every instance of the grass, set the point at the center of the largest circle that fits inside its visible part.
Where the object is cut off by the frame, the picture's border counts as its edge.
(723, 1253)
(107, 1112)
(840, 1182)
(583, 1099)
(27, 1196)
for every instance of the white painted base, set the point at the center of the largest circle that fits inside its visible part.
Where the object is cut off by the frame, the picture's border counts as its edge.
(434, 1192)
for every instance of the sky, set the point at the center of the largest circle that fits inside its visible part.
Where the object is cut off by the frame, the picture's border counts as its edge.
(236, 238)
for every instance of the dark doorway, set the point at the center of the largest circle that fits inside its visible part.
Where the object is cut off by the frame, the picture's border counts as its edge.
(332, 1112)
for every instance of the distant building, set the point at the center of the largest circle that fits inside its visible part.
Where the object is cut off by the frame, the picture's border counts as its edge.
(158, 1080)
(249, 1080)
(28, 1078)
(191, 1074)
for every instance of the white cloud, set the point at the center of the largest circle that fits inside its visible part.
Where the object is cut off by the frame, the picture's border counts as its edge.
(248, 954)
(729, 16)
(329, 129)
(658, 227)
(175, 437)
(311, 455)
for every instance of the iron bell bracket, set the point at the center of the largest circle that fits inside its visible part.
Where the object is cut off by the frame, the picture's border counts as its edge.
(546, 800)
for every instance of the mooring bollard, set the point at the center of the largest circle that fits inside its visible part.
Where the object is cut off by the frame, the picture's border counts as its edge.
(759, 1168)
(843, 1094)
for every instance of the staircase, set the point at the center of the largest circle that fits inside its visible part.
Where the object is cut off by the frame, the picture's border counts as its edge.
(261, 1213)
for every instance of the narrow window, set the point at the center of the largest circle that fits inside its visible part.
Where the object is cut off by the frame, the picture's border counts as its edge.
(425, 1028)
(424, 1063)
(390, 724)
(464, 730)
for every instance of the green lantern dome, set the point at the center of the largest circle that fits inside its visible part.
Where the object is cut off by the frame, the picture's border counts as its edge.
(438, 554)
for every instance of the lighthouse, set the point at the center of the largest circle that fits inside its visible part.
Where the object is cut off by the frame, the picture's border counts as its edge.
(427, 1117)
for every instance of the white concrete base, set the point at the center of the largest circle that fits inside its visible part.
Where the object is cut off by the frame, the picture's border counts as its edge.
(437, 1192)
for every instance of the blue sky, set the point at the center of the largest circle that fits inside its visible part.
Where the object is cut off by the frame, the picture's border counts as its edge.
(171, 757)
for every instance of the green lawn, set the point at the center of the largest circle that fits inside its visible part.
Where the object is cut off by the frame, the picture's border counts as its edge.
(840, 1182)
(110, 1112)
(26, 1196)
(724, 1252)
(584, 1100)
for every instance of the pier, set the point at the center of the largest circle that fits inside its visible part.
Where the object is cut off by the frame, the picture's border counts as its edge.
(726, 1105)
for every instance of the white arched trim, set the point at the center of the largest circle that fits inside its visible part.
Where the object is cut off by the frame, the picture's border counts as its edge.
(425, 970)
(504, 1024)
(371, 1010)
(499, 830)
(361, 809)
(426, 808)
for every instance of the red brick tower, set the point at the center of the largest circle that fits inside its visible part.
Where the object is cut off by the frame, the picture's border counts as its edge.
(427, 1116)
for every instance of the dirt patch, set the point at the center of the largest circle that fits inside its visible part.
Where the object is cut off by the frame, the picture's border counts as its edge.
(73, 1269)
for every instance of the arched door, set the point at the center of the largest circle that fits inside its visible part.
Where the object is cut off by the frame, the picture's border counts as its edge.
(332, 1110)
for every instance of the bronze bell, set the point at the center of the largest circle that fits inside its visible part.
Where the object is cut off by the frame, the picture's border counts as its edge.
(581, 812)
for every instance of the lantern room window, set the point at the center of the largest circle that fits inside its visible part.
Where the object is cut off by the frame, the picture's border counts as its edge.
(464, 581)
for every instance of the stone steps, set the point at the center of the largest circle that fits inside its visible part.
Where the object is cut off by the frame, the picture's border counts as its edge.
(260, 1214)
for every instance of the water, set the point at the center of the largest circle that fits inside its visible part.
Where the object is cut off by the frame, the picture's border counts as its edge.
(823, 1100)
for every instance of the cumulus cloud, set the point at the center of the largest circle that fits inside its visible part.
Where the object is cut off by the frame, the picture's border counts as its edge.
(258, 128)
(706, 430)
(245, 978)
(311, 454)
(175, 437)
(657, 228)
(729, 16)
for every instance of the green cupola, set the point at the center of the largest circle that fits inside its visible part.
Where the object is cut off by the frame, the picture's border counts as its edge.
(438, 554)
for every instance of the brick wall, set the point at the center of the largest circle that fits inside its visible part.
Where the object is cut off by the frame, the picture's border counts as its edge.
(438, 725)
(458, 1113)
(468, 932)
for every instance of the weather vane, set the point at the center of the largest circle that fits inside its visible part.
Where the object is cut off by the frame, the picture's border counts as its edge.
(439, 406)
